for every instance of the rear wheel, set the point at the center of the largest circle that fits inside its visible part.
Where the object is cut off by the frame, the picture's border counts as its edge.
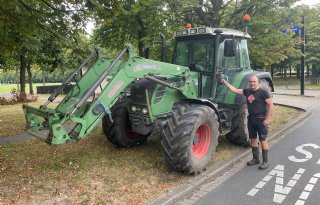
(120, 133)
(190, 138)
(239, 134)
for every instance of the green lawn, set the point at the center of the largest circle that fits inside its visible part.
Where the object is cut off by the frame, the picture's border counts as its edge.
(294, 83)
(9, 87)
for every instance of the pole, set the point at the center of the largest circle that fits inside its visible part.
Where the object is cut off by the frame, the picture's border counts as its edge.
(302, 57)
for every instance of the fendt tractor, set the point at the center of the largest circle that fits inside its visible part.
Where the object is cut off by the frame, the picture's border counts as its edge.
(181, 101)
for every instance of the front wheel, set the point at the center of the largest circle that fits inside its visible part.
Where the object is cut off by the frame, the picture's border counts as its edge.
(190, 138)
(120, 133)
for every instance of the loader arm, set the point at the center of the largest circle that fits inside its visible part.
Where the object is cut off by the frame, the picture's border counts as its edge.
(79, 113)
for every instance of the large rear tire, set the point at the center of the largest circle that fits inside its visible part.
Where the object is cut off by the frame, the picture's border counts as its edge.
(120, 133)
(190, 137)
(239, 134)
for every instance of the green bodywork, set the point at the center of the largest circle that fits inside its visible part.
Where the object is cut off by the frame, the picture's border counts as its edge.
(52, 125)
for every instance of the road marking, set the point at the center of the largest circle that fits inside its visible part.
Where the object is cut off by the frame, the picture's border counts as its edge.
(307, 190)
(280, 191)
(307, 154)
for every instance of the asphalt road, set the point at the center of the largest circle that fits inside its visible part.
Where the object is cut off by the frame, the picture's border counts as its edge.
(291, 179)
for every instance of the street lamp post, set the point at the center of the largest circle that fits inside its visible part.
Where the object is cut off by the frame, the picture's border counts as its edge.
(302, 57)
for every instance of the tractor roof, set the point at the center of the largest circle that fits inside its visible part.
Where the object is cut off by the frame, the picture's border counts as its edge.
(209, 31)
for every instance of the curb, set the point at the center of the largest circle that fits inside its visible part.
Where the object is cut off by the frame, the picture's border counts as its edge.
(299, 95)
(291, 106)
(185, 190)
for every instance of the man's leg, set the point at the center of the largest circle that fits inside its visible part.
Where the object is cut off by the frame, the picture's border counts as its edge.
(265, 147)
(254, 143)
(255, 153)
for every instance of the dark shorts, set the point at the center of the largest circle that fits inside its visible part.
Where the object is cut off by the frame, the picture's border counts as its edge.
(256, 127)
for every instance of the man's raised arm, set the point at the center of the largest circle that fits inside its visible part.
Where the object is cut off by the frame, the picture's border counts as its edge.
(231, 87)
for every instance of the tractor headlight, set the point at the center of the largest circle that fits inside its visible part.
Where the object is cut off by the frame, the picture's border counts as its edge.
(133, 108)
(144, 111)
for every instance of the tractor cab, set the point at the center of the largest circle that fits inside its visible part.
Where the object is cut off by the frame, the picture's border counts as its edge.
(210, 51)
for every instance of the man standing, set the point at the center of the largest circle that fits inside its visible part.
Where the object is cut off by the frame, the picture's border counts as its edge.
(260, 108)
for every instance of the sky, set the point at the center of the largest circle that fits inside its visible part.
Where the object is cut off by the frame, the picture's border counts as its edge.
(308, 2)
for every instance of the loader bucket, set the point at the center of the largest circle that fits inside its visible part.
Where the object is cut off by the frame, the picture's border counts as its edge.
(50, 126)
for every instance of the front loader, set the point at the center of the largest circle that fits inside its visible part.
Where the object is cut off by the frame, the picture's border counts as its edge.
(181, 101)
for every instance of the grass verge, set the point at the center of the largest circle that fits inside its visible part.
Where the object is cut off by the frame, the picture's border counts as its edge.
(12, 120)
(294, 83)
(92, 171)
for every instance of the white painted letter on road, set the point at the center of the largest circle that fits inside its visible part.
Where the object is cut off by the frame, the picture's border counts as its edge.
(307, 154)
(280, 191)
(307, 190)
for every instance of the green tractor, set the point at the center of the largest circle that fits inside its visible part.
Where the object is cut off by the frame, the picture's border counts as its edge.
(181, 101)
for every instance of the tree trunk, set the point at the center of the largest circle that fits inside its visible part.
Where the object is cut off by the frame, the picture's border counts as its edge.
(17, 78)
(315, 75)
(140, 43)
(30, 76)
(43, 77)
(298, 71)
(290, 71)
(285, 72)
(23, 65)
(281, 71)
(141, 35)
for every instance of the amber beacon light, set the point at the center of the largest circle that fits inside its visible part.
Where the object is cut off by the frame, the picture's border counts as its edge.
(246, 18)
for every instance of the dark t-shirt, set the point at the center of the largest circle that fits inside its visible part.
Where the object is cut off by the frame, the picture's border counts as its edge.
(256, 101)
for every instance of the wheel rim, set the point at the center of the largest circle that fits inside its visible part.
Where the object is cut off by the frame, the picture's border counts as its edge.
(201, 141)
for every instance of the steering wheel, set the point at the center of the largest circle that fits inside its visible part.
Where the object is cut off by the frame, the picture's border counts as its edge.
(202, 64)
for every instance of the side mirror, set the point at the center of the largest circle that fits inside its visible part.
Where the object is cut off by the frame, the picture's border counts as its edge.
(229, 48)
(147, 53)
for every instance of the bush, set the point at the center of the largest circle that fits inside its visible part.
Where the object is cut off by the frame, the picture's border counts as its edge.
(17, 97)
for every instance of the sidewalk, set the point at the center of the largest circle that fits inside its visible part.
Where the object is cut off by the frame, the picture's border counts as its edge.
(293, 98)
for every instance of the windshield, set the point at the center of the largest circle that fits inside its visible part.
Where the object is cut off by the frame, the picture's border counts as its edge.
(197, 52)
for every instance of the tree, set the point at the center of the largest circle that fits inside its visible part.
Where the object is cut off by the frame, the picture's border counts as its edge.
(312, 29)
(137, 22)
(21, 40)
